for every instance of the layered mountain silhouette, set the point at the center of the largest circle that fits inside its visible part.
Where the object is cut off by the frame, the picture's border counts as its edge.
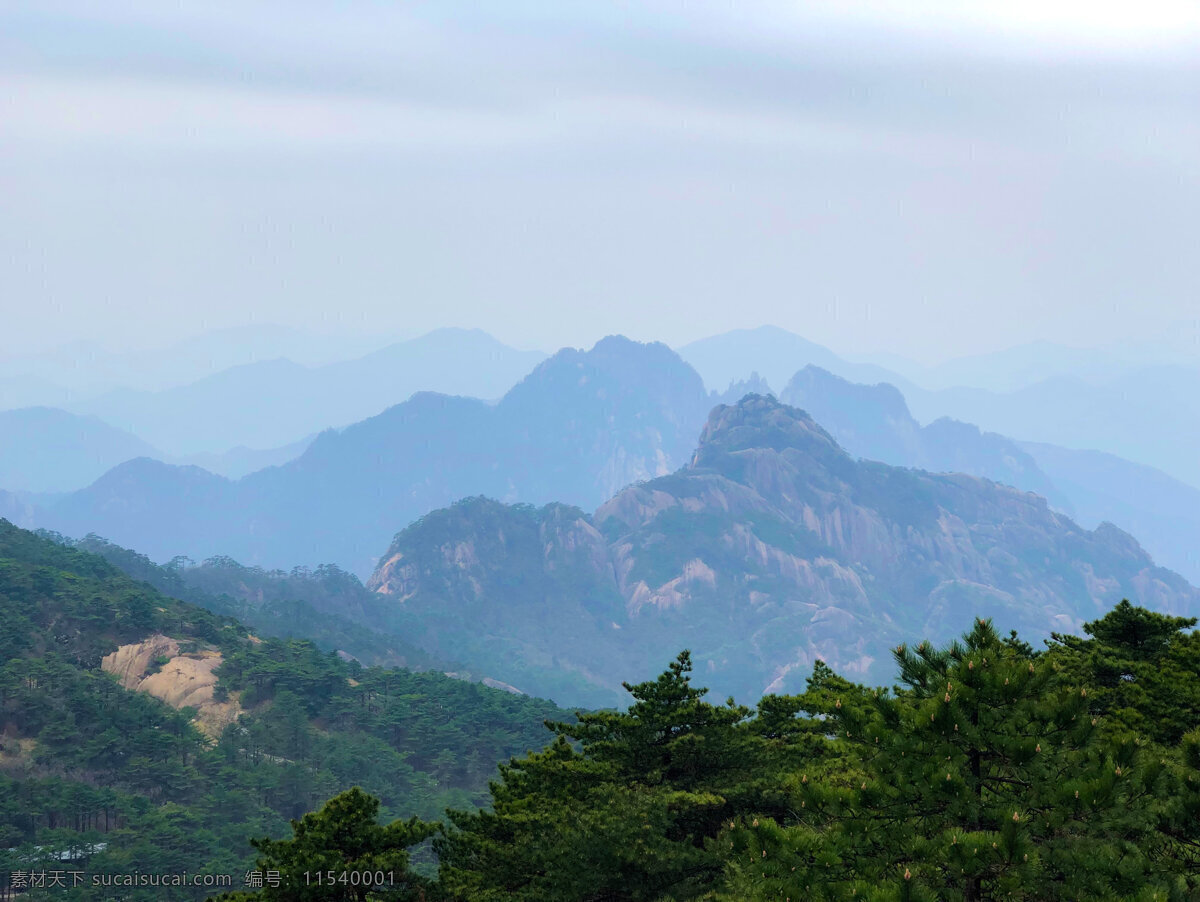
(1150, 415)
(772, 548)
(1162, 512)
(873, 421)
(242, 461)
(83, 369)
(578, 428)
(1126, 405)
(43, 449)
(774, 355)
(271, 403)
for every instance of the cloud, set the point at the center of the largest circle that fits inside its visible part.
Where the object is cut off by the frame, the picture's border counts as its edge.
(981, 169)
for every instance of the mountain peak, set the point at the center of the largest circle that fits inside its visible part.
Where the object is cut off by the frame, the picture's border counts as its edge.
(817, 383)
(760, 422)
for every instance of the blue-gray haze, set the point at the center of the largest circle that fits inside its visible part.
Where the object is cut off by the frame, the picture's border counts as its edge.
(930, 179)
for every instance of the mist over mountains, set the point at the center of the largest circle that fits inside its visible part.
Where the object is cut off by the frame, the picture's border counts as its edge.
(597, 533)
(83, 369)
(874, 422)
(1150, 415)
(277, 402)
(1140, 407)
(581, 426)
(43, 449)
(576, 430)
(771, 549)
(258, 412)
(584, 452)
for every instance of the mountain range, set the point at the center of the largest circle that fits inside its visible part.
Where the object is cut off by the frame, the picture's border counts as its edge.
(873, 421)
(46, 452)
(773, 355)
(270, 403)
(1144, 409)
(771, 549)
(266, 388)
(1150, 415)
(83, 369)
(577, 429)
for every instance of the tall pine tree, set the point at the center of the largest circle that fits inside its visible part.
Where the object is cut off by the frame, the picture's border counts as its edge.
(619, 807)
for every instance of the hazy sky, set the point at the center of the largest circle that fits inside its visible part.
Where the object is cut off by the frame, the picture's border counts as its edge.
(931, 177)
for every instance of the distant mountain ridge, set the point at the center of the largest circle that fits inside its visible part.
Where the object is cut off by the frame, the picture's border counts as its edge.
(1161, 511)
(43, 449)
(771, 549)
(578, 428)
(774, 355)
(1149, 415)
(82, 369)
(275, 402)
(874, 422)
(1144, 408)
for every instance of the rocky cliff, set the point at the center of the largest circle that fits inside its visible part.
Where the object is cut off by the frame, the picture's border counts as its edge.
(156, 666)
(771, 549)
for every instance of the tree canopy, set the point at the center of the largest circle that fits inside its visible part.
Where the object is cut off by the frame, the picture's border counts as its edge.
(991, 771)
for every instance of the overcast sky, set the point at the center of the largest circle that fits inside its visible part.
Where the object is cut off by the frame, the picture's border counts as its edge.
(929, 177)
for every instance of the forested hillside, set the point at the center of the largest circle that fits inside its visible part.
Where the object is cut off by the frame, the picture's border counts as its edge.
(227, 736)
(326, 604)
(993, 771)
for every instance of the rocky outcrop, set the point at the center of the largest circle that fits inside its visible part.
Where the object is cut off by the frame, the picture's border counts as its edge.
(156, 666)
(773, 549)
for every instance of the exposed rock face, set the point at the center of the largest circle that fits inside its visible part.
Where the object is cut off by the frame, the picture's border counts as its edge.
(183, 681)
(772, 549)
(516, 591)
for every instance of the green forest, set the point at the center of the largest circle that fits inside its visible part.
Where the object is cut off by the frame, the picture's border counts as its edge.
(991, 770)
(87, 765)
(325, 604)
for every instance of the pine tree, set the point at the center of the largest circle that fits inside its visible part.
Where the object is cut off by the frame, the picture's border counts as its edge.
(1186, 815)
(340, 853)
(981, 778)
(1144, 670)
(619, 807)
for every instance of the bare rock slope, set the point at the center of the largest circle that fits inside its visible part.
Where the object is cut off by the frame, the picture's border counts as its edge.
(156, 666)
